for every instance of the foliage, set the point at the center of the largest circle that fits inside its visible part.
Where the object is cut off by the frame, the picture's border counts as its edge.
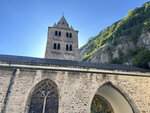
(118, 60)
(142, 59)
(115, 61)
(86, 57)
(135, 51)
(147, 25)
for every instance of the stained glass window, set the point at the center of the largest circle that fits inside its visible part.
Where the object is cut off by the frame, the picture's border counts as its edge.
(44, 99)
(100, 105)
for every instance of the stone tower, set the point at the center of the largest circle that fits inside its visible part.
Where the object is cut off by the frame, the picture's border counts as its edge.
(62, 42)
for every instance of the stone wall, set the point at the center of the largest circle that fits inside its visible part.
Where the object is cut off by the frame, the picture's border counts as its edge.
(5, 75)
(76, 89)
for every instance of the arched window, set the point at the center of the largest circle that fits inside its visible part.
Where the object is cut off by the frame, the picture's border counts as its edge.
(54, 46)
(70, 35)
(56, 33)
(58, 47)
(44, 98)
(59, 33)
(70, 47)
(67, 35)
(67, 47)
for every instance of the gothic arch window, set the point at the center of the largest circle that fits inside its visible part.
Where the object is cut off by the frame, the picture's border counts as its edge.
(44, 98)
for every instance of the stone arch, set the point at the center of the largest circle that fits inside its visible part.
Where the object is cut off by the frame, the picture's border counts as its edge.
(105, 91)
(47, 93)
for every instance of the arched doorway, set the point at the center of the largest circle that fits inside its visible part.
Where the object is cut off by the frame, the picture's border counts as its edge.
(44, 98)
(109, 100)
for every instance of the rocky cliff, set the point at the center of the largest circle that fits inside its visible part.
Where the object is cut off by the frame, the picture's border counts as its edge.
(125, 42)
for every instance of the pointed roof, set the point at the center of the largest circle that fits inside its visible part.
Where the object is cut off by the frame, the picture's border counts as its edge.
(55, 25)
(71, 28)
(62, 24)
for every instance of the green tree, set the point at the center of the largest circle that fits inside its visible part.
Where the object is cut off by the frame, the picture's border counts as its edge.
(142, 59)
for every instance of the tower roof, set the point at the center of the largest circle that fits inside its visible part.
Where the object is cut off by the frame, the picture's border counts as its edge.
(62, 24)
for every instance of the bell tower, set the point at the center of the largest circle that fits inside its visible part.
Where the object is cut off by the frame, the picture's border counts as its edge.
(62, 41)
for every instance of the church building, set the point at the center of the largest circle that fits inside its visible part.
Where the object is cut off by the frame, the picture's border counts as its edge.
(60, 83)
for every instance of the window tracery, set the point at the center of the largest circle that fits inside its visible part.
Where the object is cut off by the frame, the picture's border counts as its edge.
(44, 99)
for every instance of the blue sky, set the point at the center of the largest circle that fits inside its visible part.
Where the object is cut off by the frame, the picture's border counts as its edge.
(24, 23)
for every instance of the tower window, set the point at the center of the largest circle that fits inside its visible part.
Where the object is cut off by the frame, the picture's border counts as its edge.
(67, 47)
(54, 46)
(70, 35)
(59, 33)
(70, 47)
(58, 47)
(56, 33)
(67, 34)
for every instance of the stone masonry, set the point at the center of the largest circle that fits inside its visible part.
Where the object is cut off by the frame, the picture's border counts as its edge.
(76, 85)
